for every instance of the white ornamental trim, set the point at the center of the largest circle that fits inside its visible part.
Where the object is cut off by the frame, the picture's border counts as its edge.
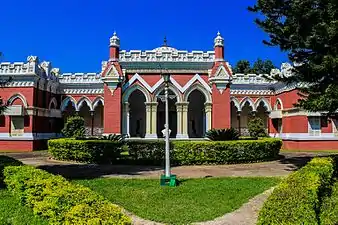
(20, 84)
(151, 89)
(83, 91)
(251, 92)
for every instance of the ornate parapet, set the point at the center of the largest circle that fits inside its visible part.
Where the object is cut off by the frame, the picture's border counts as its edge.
(80, 78)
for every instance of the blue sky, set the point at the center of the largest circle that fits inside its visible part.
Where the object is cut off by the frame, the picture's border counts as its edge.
(74, 34)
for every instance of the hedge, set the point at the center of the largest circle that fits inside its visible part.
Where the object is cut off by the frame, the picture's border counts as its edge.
(60, 201)
(329, 208)
(4, 162)
(296, 200)
(205, 152)
(90, 151)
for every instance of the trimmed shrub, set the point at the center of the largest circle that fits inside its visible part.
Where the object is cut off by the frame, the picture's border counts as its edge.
(4, 162)
(296, 199)
(222, 134)
(60, 201)
(256, 128)
(91, 151)
(74, 127)
(329, 208)
(205, 152)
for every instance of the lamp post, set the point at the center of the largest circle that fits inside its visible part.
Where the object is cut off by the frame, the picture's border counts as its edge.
(167, 178)
(166, 78)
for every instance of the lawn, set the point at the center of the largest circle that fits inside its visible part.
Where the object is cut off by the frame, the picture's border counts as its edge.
(194, 200)
(12, 212)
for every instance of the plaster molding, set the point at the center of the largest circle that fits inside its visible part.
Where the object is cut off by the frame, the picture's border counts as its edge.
(83, 91)
(250, 92)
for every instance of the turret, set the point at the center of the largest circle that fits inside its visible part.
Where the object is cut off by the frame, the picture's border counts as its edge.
(219, 47)
(114, 47)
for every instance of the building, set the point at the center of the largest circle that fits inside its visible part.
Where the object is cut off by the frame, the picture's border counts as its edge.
(124, 98)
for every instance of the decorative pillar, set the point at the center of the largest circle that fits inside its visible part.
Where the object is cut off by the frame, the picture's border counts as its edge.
(151, 120)
(126, 119)
(239, 122)
(92, 122)
(179, 110)
(185, 120)
(208, 115)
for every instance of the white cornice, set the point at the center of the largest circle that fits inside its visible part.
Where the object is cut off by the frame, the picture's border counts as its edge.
(251, 92)
(151, 89)
(83, 91)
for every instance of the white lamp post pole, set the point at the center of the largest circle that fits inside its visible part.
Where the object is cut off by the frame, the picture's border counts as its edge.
(167, 147)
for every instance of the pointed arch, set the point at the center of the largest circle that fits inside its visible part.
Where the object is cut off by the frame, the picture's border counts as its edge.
(131, 89)
(53, 101)
(199, 87)
(265, 102)
(66, 101)
(18, 96)
(278, 100)
(171, 88)
(248, 100)
(97, 101)
(82, 100)
(236, 103)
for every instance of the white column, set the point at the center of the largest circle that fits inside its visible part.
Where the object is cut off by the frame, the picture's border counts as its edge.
(151, 114)
(208, 115)
(126, 118)
(185, 120)
(179, 120)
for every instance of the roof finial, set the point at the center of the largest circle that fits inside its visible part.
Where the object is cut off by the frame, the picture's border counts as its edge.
(165, 42)
(218, 33)
(219, 40)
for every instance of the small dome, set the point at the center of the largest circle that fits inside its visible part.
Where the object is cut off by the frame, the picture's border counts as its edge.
(165, 49)
(115, 40)
(219, 40)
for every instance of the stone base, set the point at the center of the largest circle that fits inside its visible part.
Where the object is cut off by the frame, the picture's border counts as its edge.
(151, 136)
(182, 136)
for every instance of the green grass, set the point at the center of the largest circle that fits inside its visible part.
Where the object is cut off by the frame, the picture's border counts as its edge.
(13, 213)
(194, 200)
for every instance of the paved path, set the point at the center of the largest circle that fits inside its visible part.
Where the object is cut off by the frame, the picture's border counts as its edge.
(288, 163)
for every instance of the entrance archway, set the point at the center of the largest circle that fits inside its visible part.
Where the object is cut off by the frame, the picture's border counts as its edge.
(172, 115)
(196, 114)
(137, 114)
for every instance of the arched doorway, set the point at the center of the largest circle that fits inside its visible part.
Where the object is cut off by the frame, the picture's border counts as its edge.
(246, 115)
(97, 119)
(84, 112)
(262, 113)
(137, 114)
(196, 114)
(172, 115)
(235, 117)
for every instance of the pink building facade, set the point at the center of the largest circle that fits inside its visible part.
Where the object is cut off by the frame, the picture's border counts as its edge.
(124, 98)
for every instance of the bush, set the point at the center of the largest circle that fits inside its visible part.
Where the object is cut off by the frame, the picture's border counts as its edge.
(205, 152)
(222, 134)
(110, 137)
(296, 199)
(256, 128)
(4, 162)
(329, 208)
(60, 201)
(74, 127)
(91, 151)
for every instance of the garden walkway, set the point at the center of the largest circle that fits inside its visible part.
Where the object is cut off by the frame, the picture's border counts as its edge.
(289, 162)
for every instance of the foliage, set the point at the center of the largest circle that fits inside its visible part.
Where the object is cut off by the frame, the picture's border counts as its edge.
(222, 134)
(296, 199)
(12, 212)
(329, 208)
(92, 151)
(110, 137)
(256, 128)
(6, 161)
(262, 67)
(205, 152)
(193, 200)
(60, 201)
(74, 127)
(307, 31)
(242, 66)
(259, 67)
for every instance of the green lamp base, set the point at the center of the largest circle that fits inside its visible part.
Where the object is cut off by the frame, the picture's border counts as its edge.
(170, 181)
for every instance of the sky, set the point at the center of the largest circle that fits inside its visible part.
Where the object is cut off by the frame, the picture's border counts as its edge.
(74, 34)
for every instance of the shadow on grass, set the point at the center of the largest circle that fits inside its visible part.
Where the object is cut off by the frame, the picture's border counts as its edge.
(91, 171)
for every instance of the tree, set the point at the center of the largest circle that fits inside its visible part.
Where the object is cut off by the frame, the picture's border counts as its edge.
(242, 66)
(308, 31)
(262, 67)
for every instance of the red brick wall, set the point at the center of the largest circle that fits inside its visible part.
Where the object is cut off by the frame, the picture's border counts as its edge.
(112, 110)
(310, 145)
(221, 114)
(295, 124)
